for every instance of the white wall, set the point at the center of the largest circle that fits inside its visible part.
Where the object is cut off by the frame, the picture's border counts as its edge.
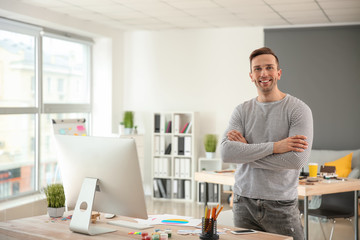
(188, 70)
(182, 70)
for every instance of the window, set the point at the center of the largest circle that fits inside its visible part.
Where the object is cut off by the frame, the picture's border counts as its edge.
(66, 66)
(31, 95)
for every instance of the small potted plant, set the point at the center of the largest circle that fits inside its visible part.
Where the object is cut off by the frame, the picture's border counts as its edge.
(121, 128)
(210, 143)
(128, 122)
(55, 197)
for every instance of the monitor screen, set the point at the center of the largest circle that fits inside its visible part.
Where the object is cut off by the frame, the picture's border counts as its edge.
(113, 163)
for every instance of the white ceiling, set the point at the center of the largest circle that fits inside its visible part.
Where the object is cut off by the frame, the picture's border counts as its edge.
(187, 14)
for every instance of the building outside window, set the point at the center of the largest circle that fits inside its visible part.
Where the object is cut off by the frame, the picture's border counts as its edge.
(44, 75)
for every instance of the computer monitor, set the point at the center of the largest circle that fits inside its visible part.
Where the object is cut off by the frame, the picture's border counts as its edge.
(100, 174)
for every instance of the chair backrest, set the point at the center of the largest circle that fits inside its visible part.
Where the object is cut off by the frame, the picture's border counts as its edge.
(341, 202)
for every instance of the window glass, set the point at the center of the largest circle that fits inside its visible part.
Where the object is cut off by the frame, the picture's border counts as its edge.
(49, 171)
(28, 159)
(66, 70)
(17, 70)
(17, 154)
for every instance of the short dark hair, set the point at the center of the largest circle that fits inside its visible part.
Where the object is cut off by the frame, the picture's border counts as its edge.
(261, 51)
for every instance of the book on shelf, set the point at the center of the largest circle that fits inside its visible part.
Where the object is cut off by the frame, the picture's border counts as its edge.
(162, 145)
(180, 148)
(175, 188)
(176, 123)
(157, 145)
(162, 123)
(168, 127)
(157, 123)
(161, 188)
(180, 188)
(188, 128)
(187, 146)
(162, 167)
(156, 167)
(187, 190)
(175, 146)
(210, 192)
(216, 192)
(177, 167)
(185, 165)
(166, 170)
(168, 188)
(156, 189)
(168, 149)
(202, 192)
(184, 128)
(187, 169)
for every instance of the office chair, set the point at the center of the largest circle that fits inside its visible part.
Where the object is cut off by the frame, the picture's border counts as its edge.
(336, 205)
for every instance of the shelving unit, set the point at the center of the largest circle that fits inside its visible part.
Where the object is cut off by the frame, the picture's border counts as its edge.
(214, 194)
(174, 155)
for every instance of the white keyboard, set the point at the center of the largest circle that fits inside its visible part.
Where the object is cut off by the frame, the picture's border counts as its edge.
(128, 224)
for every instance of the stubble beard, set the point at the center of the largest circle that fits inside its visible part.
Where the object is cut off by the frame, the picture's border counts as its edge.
(267, 89)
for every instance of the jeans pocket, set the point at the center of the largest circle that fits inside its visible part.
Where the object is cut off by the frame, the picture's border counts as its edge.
(287, 203)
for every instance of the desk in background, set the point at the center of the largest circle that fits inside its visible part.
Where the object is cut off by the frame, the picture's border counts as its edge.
(305, 191)
(42, 227)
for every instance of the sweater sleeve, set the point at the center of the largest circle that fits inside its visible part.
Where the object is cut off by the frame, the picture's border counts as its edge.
(301, 124)
(238, 152)
(260, 155)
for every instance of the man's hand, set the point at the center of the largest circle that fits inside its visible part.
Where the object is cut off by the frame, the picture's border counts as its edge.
(296, 143)
(234, 135)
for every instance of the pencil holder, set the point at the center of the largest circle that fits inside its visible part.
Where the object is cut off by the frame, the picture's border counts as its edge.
(209, 229)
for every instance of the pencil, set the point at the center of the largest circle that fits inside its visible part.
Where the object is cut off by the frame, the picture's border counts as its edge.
(219, 212)
(213, 213)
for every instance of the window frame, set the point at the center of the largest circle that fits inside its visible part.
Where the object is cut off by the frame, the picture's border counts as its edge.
(40, 107)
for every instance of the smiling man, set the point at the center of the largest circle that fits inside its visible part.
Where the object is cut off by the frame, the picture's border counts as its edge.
(270, 139)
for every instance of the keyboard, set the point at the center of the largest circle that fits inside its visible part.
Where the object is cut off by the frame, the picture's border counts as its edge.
(128, 224)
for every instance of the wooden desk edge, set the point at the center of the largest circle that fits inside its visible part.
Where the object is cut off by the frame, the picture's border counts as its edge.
(303, 190)
(20, 229)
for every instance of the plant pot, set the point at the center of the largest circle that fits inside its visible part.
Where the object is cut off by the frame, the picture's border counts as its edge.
(128, 131)
(210, 155)
(56, 212)
(121, 129)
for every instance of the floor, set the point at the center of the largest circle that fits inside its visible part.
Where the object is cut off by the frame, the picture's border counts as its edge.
(344, 230)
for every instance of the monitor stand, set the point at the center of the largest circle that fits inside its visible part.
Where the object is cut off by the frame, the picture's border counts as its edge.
(80, 221)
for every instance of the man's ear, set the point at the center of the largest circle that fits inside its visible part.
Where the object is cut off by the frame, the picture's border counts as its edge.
(279, 74)
(250, 75)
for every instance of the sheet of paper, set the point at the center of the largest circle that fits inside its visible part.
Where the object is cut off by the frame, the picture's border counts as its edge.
(167, 219)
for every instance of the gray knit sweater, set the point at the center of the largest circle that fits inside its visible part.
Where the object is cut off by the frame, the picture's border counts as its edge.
(260, 173)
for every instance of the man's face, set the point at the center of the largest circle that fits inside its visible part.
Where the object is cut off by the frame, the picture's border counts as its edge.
(264, 72)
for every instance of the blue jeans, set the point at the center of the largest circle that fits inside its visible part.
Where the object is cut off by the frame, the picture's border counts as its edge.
(280, 217)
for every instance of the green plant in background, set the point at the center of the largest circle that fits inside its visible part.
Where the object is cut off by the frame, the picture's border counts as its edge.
(128, 119)
(55, 195)
(210, 142)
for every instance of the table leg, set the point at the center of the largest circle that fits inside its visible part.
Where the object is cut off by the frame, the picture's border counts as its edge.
(306, 218)
(356, 222)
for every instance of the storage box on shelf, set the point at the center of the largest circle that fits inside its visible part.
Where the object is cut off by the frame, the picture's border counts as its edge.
(214, 190)
(174, 155)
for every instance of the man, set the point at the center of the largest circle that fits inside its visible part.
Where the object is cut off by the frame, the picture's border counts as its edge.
(270, 138)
